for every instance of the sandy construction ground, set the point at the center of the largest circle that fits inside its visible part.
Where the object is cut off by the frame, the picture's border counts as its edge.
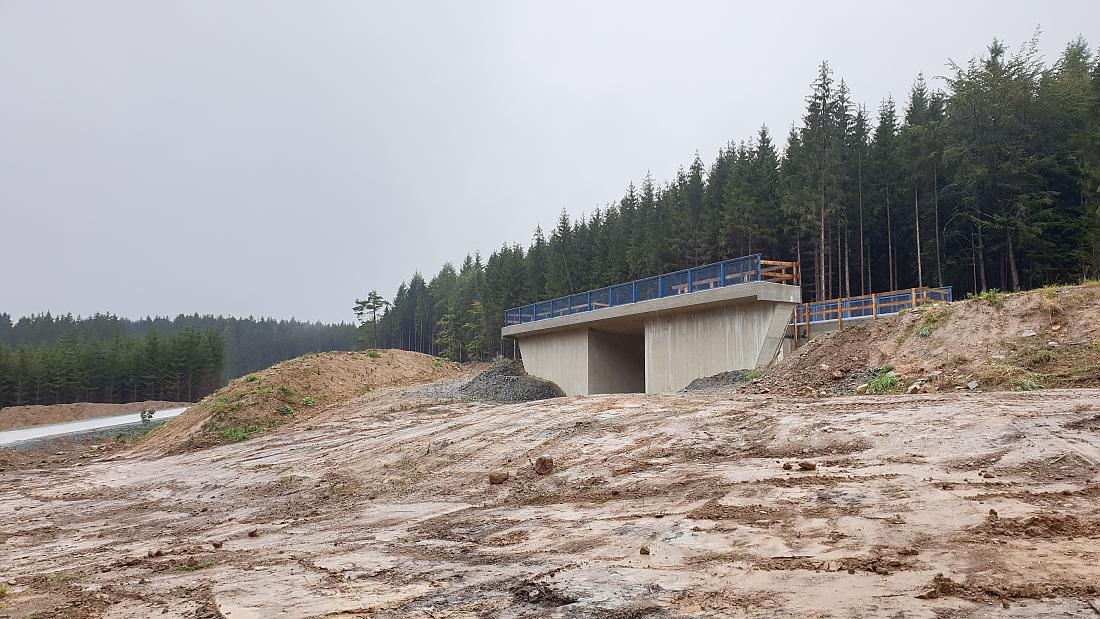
(941, 505)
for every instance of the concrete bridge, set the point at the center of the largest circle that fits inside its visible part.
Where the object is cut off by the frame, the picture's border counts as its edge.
(657, 335)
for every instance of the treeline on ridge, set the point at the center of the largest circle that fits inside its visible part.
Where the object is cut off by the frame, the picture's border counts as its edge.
(992, 181)
(48, 359)
(183, 366)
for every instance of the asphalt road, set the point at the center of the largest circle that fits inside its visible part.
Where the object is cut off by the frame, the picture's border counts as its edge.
(54, 430)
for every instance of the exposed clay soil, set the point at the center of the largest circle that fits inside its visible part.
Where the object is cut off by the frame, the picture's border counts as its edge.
(293, 392)
(1042, 338)
(14, 417)
(381, 507)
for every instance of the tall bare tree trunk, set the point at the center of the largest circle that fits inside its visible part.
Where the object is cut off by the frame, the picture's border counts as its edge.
(1012, 272)
(820, 283)
(859, 184)
(981, 256)
(890, 246)
(936, 207)
(916, 220)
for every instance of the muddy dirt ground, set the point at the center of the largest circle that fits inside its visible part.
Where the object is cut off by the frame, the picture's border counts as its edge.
(938, 505)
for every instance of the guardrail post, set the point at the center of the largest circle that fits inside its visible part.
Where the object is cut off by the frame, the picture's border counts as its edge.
(721, 273)
(691, 281)
(634, 291)
(590, 301)
(759, 275)
(660, 286)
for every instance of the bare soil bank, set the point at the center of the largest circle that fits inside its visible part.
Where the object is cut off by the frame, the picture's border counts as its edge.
(293, 392)
(1044, 338)
(939, 505)
(14, 417)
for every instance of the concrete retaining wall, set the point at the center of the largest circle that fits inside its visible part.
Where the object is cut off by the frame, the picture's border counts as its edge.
(682, 347)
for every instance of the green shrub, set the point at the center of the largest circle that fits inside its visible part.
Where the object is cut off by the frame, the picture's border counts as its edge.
(251, 378)
(285, 390)
(373, 354)
(308, 401)
(924, 331)
(883, 383)
(1026, 384)
(754, 374)
(236, 434)
(886, 369)
(438, 361)
(285, 410)
(146, 416)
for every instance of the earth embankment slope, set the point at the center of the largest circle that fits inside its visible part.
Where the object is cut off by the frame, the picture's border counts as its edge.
(1037, 339)
(292, 392)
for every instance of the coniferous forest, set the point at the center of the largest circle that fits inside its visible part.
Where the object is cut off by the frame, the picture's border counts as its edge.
(47, 359)
(988, 177)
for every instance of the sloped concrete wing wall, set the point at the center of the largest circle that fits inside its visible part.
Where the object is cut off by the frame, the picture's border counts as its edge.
(683, 346)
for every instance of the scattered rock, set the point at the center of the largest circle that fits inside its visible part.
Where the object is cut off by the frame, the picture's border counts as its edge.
(644, 550)
(972, 385)
(806, 465)
(254, 533)
(1056, 328)
(997, 357)
(862, 389)
(217, 544)
(544, 464)
(988, 475)
(824, 367)
(915, 387)
(787, 466)
(838, 375)
(992, 513)
(498, 477)
(1027, 333)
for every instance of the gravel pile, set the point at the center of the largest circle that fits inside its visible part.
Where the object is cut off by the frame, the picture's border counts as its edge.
(507, 383)
(719, 382)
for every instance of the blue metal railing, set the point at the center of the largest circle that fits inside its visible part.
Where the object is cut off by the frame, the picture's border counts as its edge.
(726, 273)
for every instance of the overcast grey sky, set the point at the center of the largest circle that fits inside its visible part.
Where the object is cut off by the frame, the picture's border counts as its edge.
(282, 158)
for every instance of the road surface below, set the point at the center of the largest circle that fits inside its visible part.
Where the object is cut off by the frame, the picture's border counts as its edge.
(53, 430)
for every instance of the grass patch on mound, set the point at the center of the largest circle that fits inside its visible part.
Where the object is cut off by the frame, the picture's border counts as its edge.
(885, 382)
(995, 298)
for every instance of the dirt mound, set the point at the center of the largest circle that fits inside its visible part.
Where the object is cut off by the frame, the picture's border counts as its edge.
(507, 383)
(1038, 339)
(290, 392)
(23, 416)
